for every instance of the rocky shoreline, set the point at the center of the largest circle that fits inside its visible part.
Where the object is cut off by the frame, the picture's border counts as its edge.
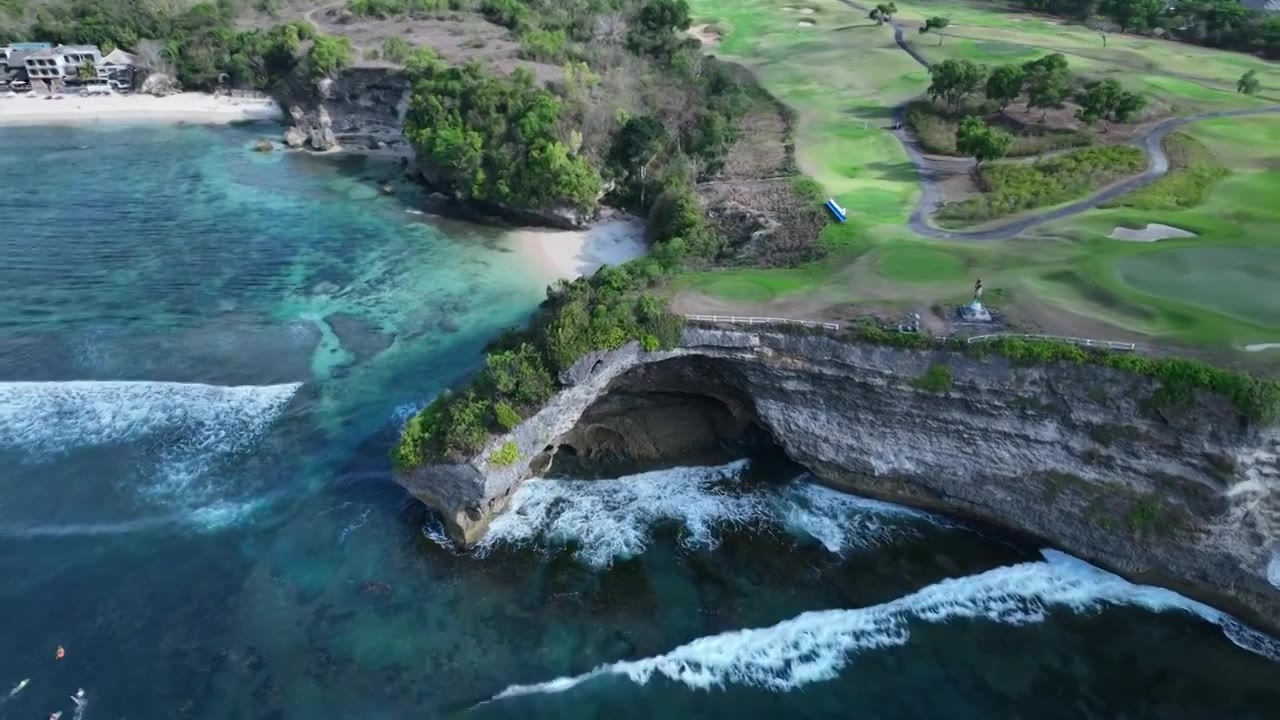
(1072, 454)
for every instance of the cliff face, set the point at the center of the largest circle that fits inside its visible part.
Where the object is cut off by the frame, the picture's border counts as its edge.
(1071, 454)
(364, 109)
(360, 108)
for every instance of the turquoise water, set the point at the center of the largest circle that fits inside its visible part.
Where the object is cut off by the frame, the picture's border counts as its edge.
(205, 354)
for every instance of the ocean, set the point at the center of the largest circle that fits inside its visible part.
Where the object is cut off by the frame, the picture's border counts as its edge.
(205, 356)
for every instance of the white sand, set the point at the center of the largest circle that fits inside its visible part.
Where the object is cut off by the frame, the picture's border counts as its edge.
(40, 109)
(1151, 233)
(805, 23)
(806, 11)
(1262, 346)
(573, 253)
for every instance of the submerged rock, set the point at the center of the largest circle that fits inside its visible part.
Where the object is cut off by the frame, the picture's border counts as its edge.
(1073, 454)
(264, 145)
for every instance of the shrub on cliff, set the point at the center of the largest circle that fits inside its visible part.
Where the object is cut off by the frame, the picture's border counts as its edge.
(505, 455)
(496, 138)
(580, 316)
(937, 379)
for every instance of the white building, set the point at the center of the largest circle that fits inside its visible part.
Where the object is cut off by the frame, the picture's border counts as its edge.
(61, 63)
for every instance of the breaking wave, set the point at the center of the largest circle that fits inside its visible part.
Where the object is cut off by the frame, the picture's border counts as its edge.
(47, 418)
(182, 428)
(608, 520)
(816, 646)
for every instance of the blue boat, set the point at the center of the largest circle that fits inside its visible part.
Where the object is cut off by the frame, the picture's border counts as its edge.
(840, 213)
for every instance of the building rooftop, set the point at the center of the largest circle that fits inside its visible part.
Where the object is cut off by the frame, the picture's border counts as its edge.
(27, 46)
(120, 57)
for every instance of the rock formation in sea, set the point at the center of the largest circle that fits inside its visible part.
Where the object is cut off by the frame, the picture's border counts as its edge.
(1076, 455)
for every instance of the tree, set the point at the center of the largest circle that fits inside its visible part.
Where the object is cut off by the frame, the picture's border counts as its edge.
(1135, 15)
(653, 29)
(1248, 83)
(954, 80)
(1004, 85)
(1105, 100)
(636, 144)
(89, 71)
(1103, 27)
(1048, 83)
(983, 143)
(936, 24)
(883, 13)
(328, 55)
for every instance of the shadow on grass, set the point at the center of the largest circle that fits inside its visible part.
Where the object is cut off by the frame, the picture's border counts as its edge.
(895, 172)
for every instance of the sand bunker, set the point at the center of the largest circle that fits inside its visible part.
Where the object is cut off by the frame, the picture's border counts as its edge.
(1151, 233)
(1259, 347)
(704, 34)
(805, 23)
(806, 11)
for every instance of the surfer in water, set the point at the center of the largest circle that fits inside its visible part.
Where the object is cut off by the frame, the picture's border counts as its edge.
(81, 703)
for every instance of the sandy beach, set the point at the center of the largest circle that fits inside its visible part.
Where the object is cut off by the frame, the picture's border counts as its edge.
(573, 253)
(190, 107)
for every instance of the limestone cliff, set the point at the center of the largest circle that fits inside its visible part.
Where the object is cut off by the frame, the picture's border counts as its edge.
(364, 108)
(359, 108)
(1072, 454)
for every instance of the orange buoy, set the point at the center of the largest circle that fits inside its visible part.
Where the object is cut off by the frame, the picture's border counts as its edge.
(60, 654)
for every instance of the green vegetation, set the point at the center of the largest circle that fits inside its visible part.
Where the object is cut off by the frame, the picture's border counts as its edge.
(1216, 23)
(396, 49)
(937, 379)
(975, 139)
(937, 24)
(954, 80)
(1249, 84)
(1236, 281)
(506, 415)
(505, 455)
(1013, 187)
(1144, 516)
(883, 13)
(1192, 170)
(198, 43)
(496, 138)
(396, 8)
(1105, 100)
(936, 130)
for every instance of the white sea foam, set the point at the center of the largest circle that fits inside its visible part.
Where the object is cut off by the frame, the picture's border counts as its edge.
(816, 646)
(184, 428)
(1273, 569)
(612, 519)
(44, 418)
(608, 520)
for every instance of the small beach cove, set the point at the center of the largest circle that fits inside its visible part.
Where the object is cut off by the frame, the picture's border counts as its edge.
(66, 108)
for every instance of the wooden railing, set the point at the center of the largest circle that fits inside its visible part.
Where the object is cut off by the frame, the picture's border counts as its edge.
(736, 320)
(1083, 342)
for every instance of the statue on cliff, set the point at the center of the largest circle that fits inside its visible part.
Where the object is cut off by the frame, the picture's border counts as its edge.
(974, 311)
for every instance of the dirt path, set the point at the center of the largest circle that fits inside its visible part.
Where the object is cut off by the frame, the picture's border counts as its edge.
(931, 188)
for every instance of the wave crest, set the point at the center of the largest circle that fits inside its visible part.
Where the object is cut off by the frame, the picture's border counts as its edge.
(816, 646)
(608, 520)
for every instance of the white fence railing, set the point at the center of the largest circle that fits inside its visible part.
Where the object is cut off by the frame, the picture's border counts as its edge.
(763, 321)
(1083, 342)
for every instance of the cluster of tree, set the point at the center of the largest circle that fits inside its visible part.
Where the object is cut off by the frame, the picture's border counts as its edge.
(1217, 23)
(396, 8)
(1014, 187)
(198, 43)
(883, 13)
(521, 367)
(1047, 82)
(496, 138)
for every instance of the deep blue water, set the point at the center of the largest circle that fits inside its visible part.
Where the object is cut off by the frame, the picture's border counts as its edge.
(205, 353)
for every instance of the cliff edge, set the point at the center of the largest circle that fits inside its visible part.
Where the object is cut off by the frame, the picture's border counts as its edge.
(1077, 455)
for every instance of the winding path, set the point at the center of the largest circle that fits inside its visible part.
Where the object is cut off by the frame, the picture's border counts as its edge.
(931, 190)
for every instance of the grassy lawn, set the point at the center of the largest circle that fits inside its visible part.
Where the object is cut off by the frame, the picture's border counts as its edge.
(843, 75)
(1187, 77)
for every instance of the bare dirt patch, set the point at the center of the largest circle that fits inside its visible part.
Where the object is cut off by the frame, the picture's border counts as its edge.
(705, 34)
(1151, 233)
(458, 37)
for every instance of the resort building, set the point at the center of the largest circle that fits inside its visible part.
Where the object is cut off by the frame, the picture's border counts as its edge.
(61, 63)
(23, 63)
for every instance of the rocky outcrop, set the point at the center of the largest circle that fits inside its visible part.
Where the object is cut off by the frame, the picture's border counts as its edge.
(360, 107)
(1073, 454)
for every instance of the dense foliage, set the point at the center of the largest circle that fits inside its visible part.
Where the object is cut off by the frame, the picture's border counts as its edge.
(496, 138)
(603, 312)
(937, 379)
(983, 143)
(1105, 100)
(197, 43)
(1192, 170)
(1013, 187)
(935, 130)
(1216, 23)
